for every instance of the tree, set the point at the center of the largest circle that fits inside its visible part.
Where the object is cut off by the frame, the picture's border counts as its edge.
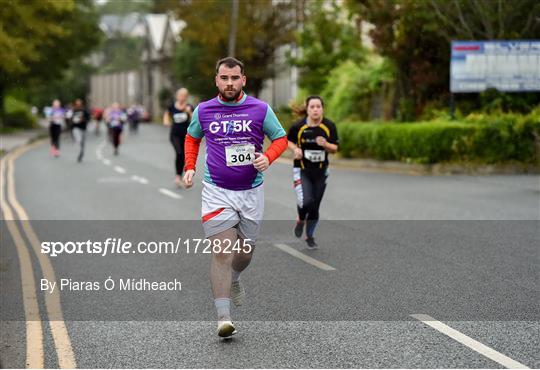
(187, 61)
(327, 39)
(488, 19)
(415, 36)
(38, 39)
(406, 32)
(120, 53)
(72, 83)
(263, 26)
(491, 20)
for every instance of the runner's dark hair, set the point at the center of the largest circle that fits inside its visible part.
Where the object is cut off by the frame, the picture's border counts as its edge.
(231, 63)
(300, 111)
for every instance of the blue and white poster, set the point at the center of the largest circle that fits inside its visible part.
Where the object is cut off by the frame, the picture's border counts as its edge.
(512, 66)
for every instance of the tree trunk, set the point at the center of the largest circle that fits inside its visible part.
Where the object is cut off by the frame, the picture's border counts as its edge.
(232, 32)
(256, 86)
(2, 110)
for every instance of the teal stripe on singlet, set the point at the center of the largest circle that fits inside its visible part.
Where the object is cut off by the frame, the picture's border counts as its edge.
(195, 130)
(273, 129)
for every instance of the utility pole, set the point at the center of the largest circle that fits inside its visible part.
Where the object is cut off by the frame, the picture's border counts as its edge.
(232, 32)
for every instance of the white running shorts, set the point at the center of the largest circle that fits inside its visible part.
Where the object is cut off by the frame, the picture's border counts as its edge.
(223, 209)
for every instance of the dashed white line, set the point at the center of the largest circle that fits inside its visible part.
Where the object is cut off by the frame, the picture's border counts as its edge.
(112, 180)
(469, 342)
(170, 193)
(106, 162)
(119, 169)
(139, 179)
(99, 150)
(312, 261)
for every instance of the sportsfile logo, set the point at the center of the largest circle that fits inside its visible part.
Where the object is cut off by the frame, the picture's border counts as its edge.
(229, 127)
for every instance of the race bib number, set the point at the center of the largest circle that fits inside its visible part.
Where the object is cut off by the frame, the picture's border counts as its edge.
(180, 117)
(240, 155)
(314, 155)
(76, 119)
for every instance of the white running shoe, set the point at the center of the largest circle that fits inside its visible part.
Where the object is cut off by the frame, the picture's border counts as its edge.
(238, 293)
(226, 329)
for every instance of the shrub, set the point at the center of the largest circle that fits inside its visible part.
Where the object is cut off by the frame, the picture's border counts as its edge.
(17, 114)
(489, 139)
(352, 86)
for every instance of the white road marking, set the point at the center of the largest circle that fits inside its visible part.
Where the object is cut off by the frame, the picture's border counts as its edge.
(106, 162)
(469, 342)
(99, 150)
(139, 179)
(119, 169)
(109, 180)
(312, 261)
(170, 193)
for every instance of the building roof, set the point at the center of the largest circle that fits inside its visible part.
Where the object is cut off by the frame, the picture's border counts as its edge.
(157, 26)
(138, 25)
(112, 24)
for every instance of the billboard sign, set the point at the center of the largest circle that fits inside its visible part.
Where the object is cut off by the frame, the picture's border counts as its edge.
(512, 66)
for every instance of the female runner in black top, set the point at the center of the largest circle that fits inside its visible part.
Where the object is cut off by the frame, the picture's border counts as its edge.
(311, 139)
(178, 116)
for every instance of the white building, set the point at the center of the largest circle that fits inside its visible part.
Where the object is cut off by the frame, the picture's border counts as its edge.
(160, 33)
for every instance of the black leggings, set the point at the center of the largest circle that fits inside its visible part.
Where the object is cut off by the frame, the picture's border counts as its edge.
(310, 186)
(55, 131)
(114, 134)
(177, 140)
(133, 125)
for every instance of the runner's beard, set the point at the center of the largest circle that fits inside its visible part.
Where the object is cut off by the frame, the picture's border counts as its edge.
(230, 99)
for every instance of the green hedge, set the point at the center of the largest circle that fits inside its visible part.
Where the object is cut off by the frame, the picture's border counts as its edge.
(488, 139)
(17, 114)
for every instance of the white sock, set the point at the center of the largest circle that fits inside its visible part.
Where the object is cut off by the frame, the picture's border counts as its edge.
(223, 307)
(235, 275)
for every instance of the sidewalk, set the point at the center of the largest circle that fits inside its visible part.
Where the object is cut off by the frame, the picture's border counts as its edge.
(8, 142)
(412, 169)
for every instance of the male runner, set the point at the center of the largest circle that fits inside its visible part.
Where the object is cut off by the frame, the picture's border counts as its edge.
(134, 115)
(234, 125)
(79, 119)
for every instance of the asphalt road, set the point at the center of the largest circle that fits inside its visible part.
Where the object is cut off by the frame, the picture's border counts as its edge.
(461, 249)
